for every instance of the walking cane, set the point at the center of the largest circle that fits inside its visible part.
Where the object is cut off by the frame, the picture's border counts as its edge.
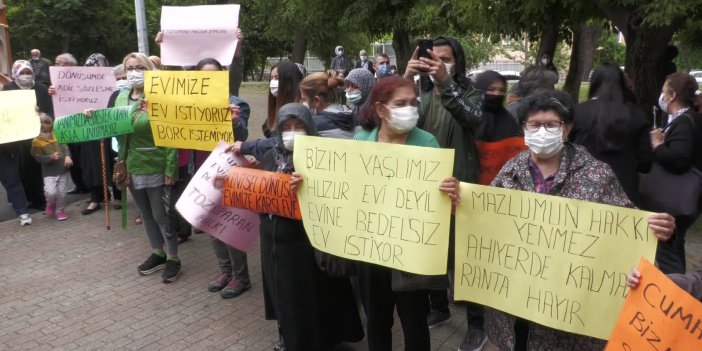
(104, 183)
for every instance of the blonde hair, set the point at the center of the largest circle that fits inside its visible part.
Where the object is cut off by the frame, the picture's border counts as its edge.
(143, 60)
(322, 84)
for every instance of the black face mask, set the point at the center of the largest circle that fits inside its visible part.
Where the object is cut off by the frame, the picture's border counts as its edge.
(494, 102)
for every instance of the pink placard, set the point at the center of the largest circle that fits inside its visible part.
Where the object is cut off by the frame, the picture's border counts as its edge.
(79, 88)
(192, 33)
(201, 203)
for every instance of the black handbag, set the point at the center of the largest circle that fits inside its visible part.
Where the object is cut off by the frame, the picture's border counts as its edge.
(677, 194)
(402, 281)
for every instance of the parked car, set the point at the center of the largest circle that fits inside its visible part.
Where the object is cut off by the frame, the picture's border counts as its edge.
(697, 75)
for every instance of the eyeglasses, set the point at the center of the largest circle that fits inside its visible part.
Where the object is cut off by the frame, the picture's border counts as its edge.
(551, 126)
(135, 68)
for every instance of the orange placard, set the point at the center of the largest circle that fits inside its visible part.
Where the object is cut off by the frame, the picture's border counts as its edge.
(494, 154)
(261, 191)
(657, 316)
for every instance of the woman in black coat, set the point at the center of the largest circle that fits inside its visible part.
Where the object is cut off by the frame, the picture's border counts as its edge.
(613, 130)
(314, 311)
(30, 170)
(677, 147)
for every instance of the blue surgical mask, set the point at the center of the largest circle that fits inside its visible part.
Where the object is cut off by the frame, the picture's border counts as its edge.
(384, 70)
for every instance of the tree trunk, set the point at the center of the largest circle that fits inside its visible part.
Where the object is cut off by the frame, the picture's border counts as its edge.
(572, 82)
(299, 46)
(585, 39)
(403, 48)
(590, 36)
(645, 47)
(549, 34)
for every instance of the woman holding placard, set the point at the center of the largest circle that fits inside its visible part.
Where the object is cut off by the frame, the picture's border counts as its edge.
(29, 169)
(556, 167)
(151, 168)
(314, 311)
(391, 117)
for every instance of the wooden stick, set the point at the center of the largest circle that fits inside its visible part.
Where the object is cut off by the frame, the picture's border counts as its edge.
(104, 183)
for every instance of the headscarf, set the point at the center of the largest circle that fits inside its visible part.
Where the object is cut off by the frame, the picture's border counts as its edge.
(97, 60)
(19, 66)
(364, 80)
(283, 156)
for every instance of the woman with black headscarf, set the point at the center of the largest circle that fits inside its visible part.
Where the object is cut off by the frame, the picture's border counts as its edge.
(29, 169)
(497, 123)
(613, 129)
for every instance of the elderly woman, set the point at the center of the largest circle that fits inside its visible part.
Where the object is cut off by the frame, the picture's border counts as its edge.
(65, 60)
(556, 167)
(29, 169)
(676, 149)
(151, 168)
(391, 117)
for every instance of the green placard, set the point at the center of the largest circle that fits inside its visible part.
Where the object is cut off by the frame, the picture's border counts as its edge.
(102, 124)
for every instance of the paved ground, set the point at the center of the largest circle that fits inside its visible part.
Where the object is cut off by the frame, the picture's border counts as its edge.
(73, 285)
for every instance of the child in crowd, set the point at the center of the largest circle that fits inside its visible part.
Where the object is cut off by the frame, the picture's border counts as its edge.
(55, 159)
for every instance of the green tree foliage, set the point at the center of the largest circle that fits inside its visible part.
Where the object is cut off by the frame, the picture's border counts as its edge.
(80, 27)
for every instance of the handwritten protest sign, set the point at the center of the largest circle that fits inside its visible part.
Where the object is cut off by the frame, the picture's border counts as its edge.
(189, 109)
(191, 33)
(376, 202)
(493, 155)
(102, 124)
(18, 116)
(79, 88)
(558, 262)
(201, 203)
(261, 191)
(657, 316)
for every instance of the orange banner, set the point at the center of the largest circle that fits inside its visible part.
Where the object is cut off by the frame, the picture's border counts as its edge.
(261, 191)
(493, 155)
(657, 316)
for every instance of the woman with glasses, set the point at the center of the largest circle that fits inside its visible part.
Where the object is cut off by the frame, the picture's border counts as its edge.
(554, 166)
(151, 168)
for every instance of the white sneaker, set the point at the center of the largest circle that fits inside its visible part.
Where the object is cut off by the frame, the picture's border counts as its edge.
(25, 219)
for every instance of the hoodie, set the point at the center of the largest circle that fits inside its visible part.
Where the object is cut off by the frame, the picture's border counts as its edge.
(279, 159)
(453, 113)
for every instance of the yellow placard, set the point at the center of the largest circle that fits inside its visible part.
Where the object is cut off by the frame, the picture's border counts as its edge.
(189, 109)
(376, 202)
(18, 115)
(558, 262)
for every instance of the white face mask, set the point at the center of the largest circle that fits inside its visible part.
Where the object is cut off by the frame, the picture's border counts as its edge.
(662, 103)
(123, 84)
(274, 87)
(354, 96)
(135, 78)
(364, 57)
(544, 61)
(544, 144)
(289, 139)
(25, 80)
(403, 119)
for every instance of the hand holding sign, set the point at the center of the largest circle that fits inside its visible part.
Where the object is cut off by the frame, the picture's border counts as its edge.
(657, 315)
